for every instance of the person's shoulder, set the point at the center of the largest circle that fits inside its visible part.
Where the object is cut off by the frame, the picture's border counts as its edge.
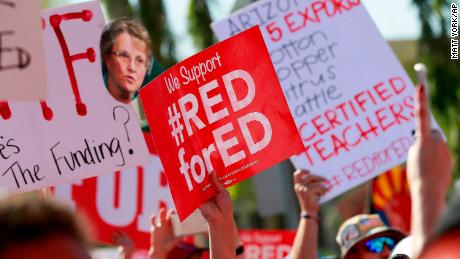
(450, 220)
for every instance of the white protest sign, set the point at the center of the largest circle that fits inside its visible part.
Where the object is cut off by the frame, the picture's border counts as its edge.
(80, 130)
(124, 201)
(350, 97)
(22, 62)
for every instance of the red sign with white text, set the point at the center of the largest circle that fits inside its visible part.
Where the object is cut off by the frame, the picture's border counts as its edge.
(122, 201)
(222, 109)
(259, 244)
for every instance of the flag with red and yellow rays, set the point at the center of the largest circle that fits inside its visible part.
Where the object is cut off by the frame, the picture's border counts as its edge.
(391, 198)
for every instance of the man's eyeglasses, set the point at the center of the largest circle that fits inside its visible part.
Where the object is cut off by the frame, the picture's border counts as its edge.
(126, 58)
(377, 244)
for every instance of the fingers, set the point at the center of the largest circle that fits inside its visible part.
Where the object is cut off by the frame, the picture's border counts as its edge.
(299, 174)
(216, 183)
(304, 177)
(153, 220)
(317, 188)
(162, 216)
(422, 118)
(170, 213)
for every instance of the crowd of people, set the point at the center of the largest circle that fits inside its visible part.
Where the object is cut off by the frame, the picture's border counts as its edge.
(41, 228)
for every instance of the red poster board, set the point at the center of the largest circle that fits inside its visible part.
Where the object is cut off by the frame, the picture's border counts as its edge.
(222, 109)
(259, 244)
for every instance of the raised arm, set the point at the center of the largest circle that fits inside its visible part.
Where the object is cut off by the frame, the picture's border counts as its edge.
(162, 239)
(218, 212)
(308, 189)
(429, 169)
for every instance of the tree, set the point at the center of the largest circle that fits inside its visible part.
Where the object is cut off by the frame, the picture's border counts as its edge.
(153, 15)
(199, 24)
(444, 73)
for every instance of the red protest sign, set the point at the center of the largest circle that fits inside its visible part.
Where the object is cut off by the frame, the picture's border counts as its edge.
(258, 244)
(123, 201)
(222, 109)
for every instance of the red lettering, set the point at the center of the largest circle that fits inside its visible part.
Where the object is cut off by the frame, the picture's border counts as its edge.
(344, 136)
(290, 24)
(371, 96)
(331, 116)
(321, 150)
(349, 173)
(332, 182)
(90, 54)
(306, 139)
(354, 3)
(329, 6)
(381, 92)
(360, 101)
(339, 6)
(319, 126)
(5, 110)
(353, 108)
(341, 107)
(306, 17)
(372, 129)
(397, 88)
(381, 118)
(338, 144)
(408, 101)
(274, 31)
(307, 154)
(396, 111)
(317, 8)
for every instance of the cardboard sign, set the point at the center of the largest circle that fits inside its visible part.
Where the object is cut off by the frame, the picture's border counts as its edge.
(350, 97)
(22, 62)
(80, 130)
(260, 244)
(222, 110)
(121, 201)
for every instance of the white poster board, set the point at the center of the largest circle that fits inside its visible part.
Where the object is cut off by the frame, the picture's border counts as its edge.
(22, 62)
(80, 130)
(349, 95)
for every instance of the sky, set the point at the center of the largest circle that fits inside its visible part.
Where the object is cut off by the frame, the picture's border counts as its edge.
(396, 19)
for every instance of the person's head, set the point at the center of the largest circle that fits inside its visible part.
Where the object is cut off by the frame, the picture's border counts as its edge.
(126, 54)
(37, 228)
(446, 243)
(366, 237)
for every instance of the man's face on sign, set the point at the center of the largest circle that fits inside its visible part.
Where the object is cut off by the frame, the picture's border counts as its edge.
(126, 66)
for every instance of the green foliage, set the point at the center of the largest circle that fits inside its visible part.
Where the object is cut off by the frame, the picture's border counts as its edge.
(153, 15)
(199, 24)
(444, 73)
(118, 8)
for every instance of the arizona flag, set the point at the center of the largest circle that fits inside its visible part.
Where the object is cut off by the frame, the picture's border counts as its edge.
(391, 198)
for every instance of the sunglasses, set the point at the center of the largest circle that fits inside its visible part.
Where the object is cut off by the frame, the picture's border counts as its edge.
(377, 244)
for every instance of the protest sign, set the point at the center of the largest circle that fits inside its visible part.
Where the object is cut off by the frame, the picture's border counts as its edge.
(350, 98)
(80, 130)
(121, 201)
(22, 59)
(222, 110)
(259, 244)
